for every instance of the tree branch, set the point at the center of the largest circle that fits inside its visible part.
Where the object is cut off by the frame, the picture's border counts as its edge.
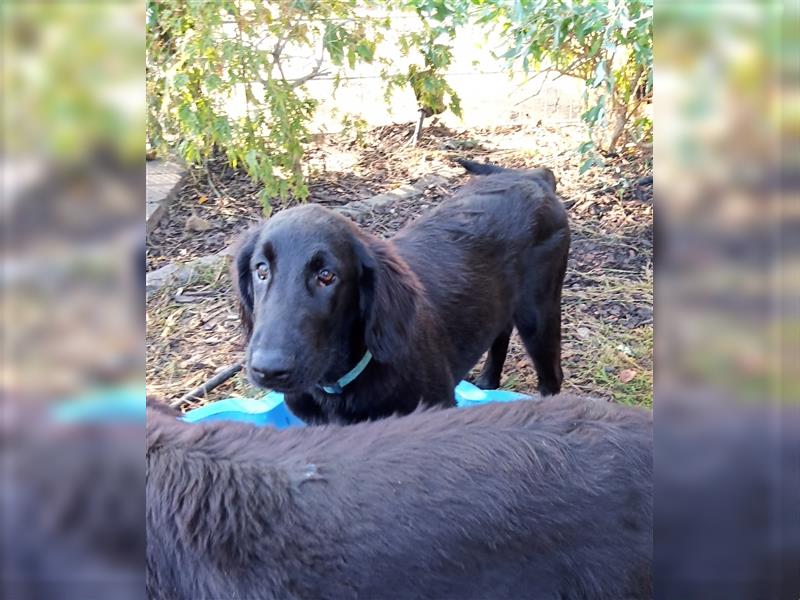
(248, 89)
(541, 87)
(277, 53)
(315, 72)
(569, 71)
(281, 44)
(213, 383)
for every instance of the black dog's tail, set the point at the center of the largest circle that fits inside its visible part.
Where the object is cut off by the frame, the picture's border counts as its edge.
(480, 168)
(540, 174)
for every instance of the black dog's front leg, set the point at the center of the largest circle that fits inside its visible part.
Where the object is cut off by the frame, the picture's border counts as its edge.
(440, 391)
(304, 407)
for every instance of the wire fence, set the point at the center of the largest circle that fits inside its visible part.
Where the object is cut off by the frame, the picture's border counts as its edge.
(491, 93)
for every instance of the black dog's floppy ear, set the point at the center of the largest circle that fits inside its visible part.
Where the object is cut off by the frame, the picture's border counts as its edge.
(243, 280)
(389, 300)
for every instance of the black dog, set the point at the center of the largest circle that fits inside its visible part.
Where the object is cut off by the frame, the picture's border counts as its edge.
(404, 320)
(548, 499)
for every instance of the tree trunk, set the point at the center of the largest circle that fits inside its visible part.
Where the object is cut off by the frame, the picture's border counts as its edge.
(418, 128)
(616, 128)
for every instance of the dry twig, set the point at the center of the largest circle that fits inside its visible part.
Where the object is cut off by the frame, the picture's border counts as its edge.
(201, 391)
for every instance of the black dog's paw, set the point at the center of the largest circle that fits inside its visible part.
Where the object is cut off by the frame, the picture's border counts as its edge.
(485, 383)
(551, 389)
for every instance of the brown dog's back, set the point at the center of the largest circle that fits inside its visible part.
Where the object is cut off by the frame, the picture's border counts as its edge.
(534, 500)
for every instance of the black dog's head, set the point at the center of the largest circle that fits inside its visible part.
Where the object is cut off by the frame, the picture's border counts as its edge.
(314, 293)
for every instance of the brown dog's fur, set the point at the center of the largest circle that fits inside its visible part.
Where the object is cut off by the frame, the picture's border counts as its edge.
(426, 303)
(531, 499)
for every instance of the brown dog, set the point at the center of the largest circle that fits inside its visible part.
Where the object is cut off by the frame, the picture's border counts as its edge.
(548, 499)
(351, 327)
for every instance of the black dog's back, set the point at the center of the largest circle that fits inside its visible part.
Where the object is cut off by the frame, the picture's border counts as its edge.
(522, 500)
(501, 242)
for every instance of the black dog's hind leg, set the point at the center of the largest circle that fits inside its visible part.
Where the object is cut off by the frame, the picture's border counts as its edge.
(489, 379)
(541, 335)
(304, 407)
(538, 316)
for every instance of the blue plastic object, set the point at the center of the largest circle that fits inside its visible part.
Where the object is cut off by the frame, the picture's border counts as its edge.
(271, 409)
(105, 405)
(471, 395)
(128, 404)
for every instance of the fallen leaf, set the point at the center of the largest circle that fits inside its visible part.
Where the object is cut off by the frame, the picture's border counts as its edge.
(626, 375)
(202, 199)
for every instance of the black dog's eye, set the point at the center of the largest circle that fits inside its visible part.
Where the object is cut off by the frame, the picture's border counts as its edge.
(262, 270)
(325, 277)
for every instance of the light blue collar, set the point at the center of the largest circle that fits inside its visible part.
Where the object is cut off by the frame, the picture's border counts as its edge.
(338, 387)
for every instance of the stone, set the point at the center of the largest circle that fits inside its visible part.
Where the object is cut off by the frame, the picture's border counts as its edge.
(197, 224)
(163, 178)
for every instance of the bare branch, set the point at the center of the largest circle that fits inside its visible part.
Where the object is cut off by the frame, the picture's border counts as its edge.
(280, 70)
(200, 392)
(280, 45)
(568, 71)
(315, 72)
(545, 72)
(248, 90)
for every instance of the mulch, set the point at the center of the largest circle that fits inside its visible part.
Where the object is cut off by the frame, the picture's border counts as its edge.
(193, 331)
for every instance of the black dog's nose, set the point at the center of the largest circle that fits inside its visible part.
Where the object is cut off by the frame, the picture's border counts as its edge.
(272, 366)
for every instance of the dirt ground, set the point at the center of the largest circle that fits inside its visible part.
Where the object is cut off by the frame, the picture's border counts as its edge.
(193, 331)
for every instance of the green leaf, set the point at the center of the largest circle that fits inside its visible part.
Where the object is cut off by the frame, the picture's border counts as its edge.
(595, 48)
(365, 50)
(587, 164)
(213, 82)
(333, 41)
(185, 113)
(266, 205)
(590, 116)
(180, 80)
(442, 12)
(511, 53)
(251, 161)
(600, 74)
(556, 36)
(455, 104)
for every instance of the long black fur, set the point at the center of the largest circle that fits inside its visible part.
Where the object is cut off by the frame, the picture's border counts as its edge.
(539, 500)
(427, 303)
